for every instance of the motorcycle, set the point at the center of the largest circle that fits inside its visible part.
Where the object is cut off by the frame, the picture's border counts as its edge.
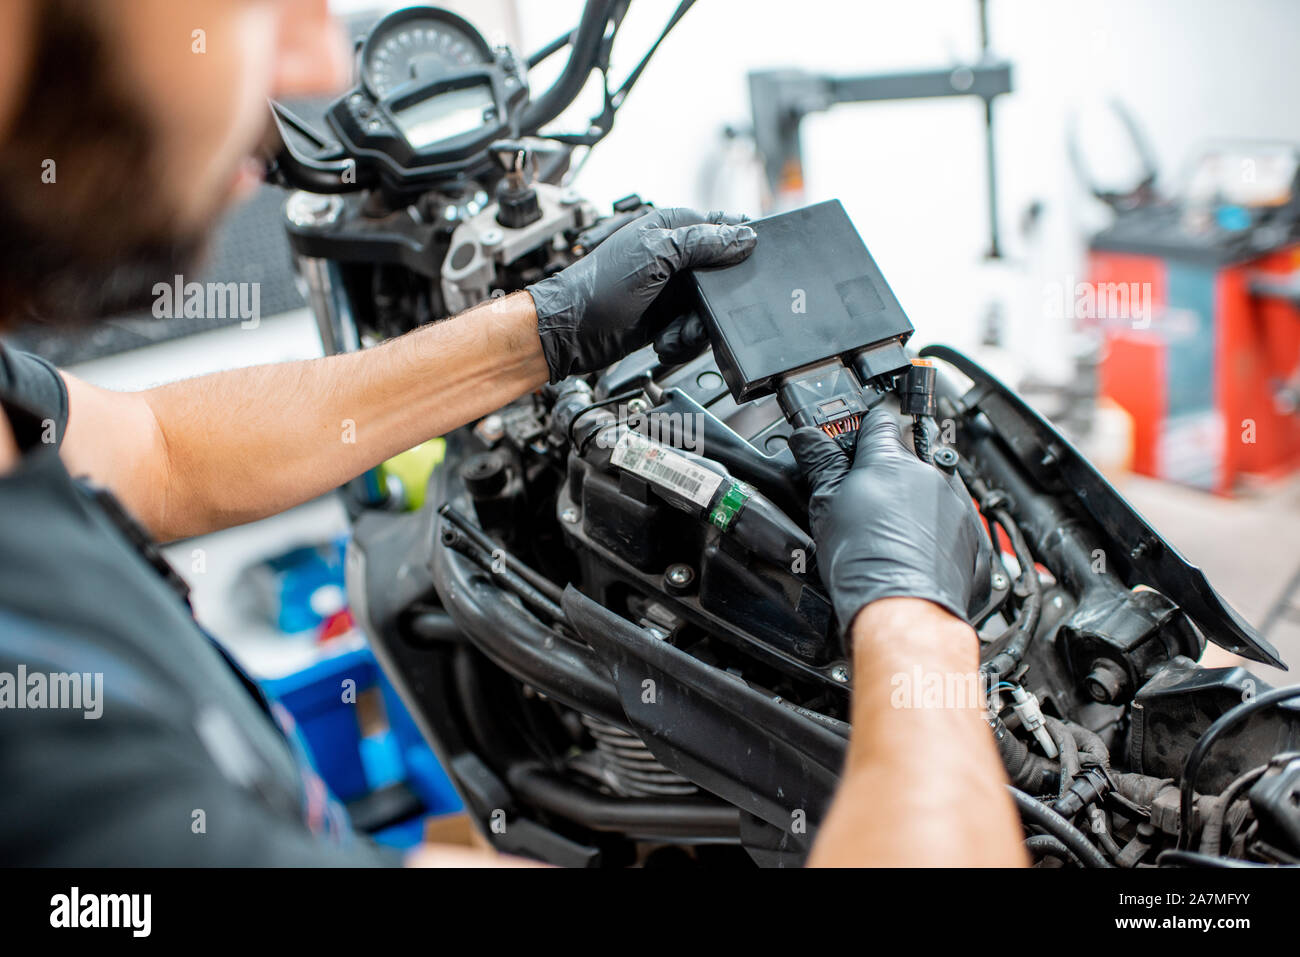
(612, 673)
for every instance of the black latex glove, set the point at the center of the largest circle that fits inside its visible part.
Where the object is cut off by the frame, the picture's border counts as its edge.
(611, 302)
(682, 339)
(888, 525)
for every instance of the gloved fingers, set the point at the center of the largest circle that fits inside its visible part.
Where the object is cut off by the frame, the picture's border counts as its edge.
(680, 216)
(727, 219)
(878, 437)
(822, 461)
(676, 217)
(681, 340)
(709, 244)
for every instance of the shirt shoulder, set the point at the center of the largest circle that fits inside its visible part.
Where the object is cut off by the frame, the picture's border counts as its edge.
(34, 385)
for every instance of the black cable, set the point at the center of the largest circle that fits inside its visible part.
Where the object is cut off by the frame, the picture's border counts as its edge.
(555, 46)
(533, 599)
(1067, 751)
(1193, 859)
(621, 93)
(600, 404)
(921, 440)
(1033, 811)
(1187, 787)
(480, 538)
(1212, 832)
(585, 43)
(598, 59)
(1044, 845)
(1022, 629)
(992, 506)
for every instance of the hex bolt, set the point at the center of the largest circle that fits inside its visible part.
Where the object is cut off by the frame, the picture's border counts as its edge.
(1106, 682)
(945, 457)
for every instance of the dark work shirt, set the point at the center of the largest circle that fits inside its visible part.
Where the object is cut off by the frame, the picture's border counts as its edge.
(183, 765)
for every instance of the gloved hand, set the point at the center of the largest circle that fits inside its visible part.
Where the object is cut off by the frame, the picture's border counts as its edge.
(888, 525)
(612, 301)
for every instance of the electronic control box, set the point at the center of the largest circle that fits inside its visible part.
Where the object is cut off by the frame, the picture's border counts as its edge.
(808, 295)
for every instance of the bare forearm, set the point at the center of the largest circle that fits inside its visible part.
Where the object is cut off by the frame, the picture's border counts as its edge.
(247, 443)
(923, 784)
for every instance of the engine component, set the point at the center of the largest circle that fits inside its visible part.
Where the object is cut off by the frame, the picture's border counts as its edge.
(826, 396)
(482, 246)
(632, 769)
(1030, 714)
(1275, 800)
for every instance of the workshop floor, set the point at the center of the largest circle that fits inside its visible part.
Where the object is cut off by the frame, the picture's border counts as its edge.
(1249, 548)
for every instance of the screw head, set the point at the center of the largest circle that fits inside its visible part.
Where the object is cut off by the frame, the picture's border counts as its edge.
(569, 516)
(680, 574)
(679, 578)
(945, 457)
(841, 674)
(999, 581)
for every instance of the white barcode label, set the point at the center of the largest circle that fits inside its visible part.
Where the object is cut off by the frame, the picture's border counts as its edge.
(661, 465)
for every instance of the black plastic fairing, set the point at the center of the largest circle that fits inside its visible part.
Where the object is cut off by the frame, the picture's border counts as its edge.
(1140, 555)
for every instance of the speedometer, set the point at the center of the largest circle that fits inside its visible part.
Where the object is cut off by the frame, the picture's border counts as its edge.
(432, 97)
(417, 46)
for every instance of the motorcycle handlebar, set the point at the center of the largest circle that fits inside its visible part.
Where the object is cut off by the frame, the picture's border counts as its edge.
(584, 45)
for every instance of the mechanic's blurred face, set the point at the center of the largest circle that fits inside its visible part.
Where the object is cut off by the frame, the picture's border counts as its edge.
(135, 129)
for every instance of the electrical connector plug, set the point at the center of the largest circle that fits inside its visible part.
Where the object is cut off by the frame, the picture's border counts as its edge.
(1031, 717)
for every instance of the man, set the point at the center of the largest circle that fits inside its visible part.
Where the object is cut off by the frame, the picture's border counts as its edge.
(123, 138)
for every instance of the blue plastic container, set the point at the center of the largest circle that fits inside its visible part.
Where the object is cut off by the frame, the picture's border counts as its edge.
(352, 765)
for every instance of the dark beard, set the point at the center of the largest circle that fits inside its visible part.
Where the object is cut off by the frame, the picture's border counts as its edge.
(93, 242)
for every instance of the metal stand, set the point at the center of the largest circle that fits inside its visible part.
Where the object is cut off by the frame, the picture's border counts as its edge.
(780, 99)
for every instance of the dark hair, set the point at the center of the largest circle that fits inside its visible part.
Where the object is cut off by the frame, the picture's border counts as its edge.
(82, 233)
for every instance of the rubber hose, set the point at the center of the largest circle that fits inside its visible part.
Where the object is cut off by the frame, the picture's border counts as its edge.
(1038, 814)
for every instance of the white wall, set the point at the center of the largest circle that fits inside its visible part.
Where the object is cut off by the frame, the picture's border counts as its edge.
(912, 174)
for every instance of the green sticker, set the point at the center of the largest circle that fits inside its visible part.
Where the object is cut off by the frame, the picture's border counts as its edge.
(730, 504)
